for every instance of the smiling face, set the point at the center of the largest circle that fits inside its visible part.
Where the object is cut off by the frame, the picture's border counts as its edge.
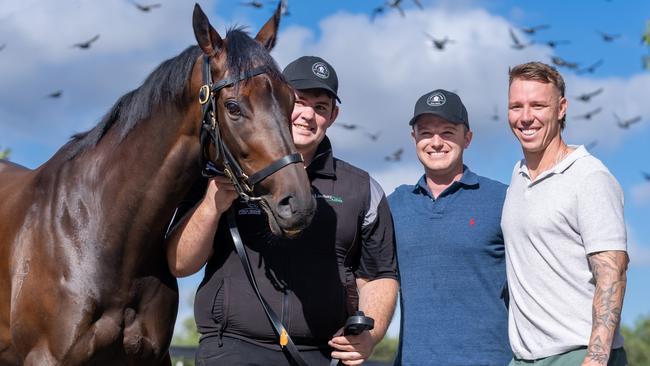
(313, 113)
(439, 145)
(534, 113)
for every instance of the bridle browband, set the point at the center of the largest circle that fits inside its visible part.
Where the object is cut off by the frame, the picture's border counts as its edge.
(208, 94)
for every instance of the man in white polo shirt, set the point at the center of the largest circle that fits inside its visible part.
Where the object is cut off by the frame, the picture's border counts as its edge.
(564, 235)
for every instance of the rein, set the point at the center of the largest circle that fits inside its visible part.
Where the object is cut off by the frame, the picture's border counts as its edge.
(210, 133)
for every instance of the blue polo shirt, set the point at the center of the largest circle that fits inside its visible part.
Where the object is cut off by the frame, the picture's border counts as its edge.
(451, 261)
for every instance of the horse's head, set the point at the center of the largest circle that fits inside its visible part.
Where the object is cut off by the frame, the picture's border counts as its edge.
(251, 104)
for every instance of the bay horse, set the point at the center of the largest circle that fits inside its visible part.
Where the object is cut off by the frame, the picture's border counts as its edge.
(83, 275)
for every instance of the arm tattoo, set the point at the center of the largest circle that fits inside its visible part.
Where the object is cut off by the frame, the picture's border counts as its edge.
(608, 269)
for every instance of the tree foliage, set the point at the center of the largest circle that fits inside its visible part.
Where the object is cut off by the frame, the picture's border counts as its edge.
(189, 336)
(645, 39)
(385, 350)
(4, 154)
(637, 342)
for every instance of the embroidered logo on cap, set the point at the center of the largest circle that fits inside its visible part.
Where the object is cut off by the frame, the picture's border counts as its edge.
(436, 99)
(320, 69)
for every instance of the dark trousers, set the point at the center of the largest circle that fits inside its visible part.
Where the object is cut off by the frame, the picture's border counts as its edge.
(235, 352)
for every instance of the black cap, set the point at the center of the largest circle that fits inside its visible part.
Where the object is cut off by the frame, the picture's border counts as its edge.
(441, 103)
(311, 72)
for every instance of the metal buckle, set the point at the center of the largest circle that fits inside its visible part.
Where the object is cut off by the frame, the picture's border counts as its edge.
(204, 94)
(244, 182)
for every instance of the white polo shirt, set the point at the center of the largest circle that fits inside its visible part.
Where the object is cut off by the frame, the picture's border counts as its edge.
(550, 226)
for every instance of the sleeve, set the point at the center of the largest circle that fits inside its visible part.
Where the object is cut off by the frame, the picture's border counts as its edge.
(196, 193)
(377, 238)
(600, 213)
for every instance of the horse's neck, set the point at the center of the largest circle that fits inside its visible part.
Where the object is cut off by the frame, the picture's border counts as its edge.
(159, 166)
(134, 186)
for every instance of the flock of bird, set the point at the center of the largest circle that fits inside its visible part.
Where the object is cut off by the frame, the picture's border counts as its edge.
(441, 43)
(438, 44)
(85, 45)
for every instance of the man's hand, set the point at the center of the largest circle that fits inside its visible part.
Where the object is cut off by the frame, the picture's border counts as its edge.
(220, 194)
(352, 349)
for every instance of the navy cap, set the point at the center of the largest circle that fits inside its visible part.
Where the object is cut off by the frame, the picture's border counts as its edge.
(441, 103)
(311, 72)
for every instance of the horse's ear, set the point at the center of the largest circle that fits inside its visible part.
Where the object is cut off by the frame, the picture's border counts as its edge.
(207, 37)
(268, 34)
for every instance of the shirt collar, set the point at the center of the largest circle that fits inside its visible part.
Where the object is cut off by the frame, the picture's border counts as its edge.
(323, 161)
(468, 179)
(559, 168)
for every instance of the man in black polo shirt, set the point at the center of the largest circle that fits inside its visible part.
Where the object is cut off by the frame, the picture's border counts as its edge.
(343, 262)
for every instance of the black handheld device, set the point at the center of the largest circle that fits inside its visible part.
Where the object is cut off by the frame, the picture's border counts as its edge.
(358, 323)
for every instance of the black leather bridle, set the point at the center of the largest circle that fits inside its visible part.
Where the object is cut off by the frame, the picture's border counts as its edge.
(210, 133)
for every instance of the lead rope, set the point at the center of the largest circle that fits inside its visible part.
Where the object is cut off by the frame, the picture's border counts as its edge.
(285, 341)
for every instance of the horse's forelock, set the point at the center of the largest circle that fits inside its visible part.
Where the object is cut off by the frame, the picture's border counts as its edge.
(244, 53)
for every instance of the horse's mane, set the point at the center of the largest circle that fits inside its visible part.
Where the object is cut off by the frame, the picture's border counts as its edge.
(166, 84)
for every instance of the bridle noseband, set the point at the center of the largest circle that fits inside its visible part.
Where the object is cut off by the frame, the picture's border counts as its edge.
(208, 94)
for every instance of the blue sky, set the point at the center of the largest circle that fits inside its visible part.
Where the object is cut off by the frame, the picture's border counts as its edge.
(383, 66)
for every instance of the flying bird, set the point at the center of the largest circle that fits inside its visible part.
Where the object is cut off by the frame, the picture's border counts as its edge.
(145, 8)
(495, 116)
(347, 126)
(516, 43)
(86, 45)
(284, 8)
(395, 156)
(592, 68)
(395, 4)
(253, 4)
(586, 97)
(608, 37)
(373, 136)
(55, 94)
(627, 123)
(2, 46)
(376, 11)
(554, 44)
(439, 44)
(589, 114)
(533, 29)
(557, 61)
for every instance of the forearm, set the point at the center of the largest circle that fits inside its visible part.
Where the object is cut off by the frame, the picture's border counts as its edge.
(609, 269)
(189, 245)
(377, 299)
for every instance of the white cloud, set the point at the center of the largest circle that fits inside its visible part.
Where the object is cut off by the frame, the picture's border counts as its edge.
(385, 66)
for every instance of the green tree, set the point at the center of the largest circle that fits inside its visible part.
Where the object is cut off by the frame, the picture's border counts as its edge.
(189, 336)
(385, 350)
(645, 39)
(637, 342)
(4, 154)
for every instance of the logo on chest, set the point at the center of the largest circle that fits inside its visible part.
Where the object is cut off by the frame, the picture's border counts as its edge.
(329, 198)
(250, 208)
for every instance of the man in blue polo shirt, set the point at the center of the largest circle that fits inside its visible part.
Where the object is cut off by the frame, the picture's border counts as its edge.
(449, 248)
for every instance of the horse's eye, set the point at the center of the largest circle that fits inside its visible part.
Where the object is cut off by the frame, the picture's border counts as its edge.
(232, 108)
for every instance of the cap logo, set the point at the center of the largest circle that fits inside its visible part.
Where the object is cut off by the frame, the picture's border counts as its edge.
(320, 69)
(436, 99)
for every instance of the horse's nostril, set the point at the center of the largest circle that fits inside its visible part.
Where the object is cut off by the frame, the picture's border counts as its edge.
(286, 207)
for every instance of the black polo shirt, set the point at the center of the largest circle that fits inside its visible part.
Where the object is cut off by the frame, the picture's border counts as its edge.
(309, 281)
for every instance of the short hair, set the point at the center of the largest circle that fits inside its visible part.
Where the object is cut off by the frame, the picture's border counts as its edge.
(541, 72)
